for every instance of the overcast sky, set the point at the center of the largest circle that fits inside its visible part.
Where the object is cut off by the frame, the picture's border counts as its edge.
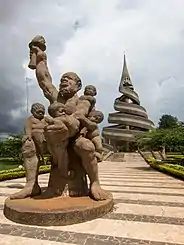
(90, 37)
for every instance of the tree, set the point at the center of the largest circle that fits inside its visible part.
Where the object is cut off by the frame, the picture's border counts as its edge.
(171, 139)
(174, 139)
(11, 147)
(168, 121)
(151, 140)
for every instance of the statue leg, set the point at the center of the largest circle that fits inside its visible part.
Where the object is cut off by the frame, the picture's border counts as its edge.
(86, 150)
(62, 158)
(56, 136)
(31, 165)
(77, 184)
(59, 169)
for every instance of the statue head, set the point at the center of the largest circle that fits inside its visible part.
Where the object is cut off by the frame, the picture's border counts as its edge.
(38, 110)
(96, 116)
(90, 90)
(70, 84)
(57, 109)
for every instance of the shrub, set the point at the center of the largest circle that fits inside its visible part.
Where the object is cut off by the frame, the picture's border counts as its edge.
(19, 173)
(174, 170)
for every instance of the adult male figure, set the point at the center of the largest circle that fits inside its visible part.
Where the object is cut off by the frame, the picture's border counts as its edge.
(70, 84)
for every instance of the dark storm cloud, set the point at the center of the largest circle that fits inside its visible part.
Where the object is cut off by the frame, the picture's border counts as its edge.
(11, 73)
(12, 95)
(20, 21)
(10, 100)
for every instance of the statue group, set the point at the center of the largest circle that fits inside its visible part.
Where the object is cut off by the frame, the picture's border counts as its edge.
(69, 133)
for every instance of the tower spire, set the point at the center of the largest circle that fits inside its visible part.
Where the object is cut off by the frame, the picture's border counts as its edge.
(125, 77)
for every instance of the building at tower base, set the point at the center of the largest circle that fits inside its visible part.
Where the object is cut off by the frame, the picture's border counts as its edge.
(131, 118)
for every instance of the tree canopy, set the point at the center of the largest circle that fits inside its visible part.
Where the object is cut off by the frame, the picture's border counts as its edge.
(172, 139)
(11, 147)
(168, 121)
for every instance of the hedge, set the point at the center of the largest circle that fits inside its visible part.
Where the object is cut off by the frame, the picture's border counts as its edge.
(174, 170)
(178, 157)
(19, 173)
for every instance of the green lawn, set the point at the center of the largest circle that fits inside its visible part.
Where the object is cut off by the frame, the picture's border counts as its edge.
(7, 163)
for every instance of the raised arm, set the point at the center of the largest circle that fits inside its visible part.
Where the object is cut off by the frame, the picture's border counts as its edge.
(42, 73)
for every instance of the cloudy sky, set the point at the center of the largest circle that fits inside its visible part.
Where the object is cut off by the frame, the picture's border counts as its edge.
(90, 37)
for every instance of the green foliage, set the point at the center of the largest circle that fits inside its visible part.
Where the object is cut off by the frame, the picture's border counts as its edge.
(151, 140)
(168, 122)
(174, 170)
(172, 139)
(11, 147)
(8, 163)
(175, 156)
(19, 173)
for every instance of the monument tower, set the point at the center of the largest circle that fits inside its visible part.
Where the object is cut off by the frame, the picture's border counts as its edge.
(130, 119)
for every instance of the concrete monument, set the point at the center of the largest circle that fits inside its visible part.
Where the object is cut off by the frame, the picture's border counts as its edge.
(72, 138)
(130, 119)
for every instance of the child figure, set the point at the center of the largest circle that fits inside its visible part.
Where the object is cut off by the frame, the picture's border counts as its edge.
(34, 129)
(89, 93)
(67, 114)
(60, 112)
(95, 117)
(33, 148)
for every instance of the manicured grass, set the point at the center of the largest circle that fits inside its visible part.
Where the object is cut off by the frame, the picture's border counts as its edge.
(8, 163)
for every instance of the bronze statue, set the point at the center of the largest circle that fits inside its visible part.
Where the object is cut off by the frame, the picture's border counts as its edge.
(68, 115)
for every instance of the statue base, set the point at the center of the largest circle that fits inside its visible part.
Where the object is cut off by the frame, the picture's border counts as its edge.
(57, 211)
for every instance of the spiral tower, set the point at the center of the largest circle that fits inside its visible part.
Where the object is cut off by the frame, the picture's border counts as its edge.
(131, 118)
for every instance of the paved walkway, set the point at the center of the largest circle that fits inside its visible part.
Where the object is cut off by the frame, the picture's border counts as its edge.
(149, 209)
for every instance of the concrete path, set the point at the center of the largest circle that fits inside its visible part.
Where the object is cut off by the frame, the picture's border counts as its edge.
(149, 209)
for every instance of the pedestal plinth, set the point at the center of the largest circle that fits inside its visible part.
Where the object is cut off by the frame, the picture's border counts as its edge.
(56, 211)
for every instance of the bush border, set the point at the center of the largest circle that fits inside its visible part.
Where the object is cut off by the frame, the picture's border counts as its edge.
(19, 173)
(166, 169)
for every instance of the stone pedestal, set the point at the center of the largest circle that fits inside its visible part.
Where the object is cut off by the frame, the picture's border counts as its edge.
(58, 211)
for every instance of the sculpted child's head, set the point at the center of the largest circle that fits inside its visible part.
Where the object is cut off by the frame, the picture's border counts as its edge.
(38, 110)
(96, 116)
(56, 109)
(90, 90)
